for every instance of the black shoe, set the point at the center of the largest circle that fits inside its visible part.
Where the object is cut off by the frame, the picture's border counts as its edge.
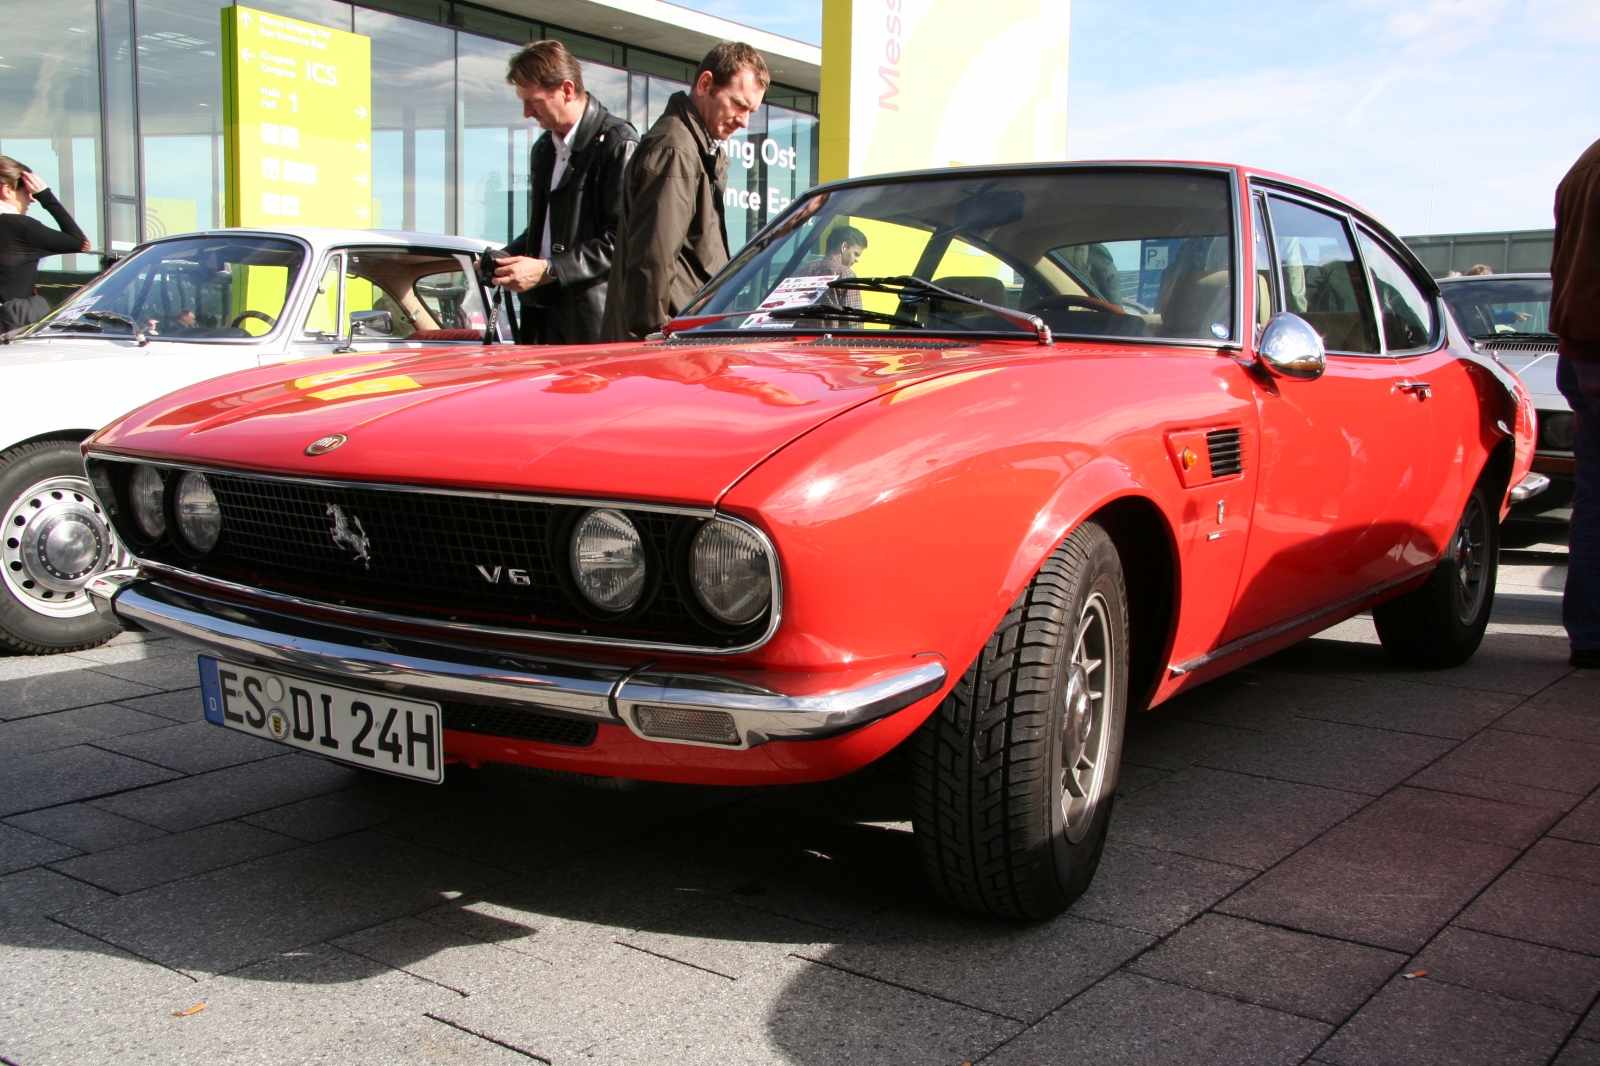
(1585, 660)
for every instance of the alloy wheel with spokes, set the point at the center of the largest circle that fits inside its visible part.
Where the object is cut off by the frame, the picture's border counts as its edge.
(1085, 737)
(1470, 550)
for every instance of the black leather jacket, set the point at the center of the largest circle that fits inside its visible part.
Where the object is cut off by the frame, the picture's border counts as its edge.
(584, 210)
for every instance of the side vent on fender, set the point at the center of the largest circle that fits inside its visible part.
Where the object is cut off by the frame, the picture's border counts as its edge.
(1222, 445)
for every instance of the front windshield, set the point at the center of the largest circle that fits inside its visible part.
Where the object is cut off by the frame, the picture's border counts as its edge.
(192, 288)
(1504, 305)
(1123, 253)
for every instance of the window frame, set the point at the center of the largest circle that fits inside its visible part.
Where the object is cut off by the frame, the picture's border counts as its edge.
(1289, 194)
(341, 324)
(1435, 333)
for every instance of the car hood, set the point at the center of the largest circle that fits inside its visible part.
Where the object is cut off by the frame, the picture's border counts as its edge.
(65, 348)
(1538, 373)
(670, 423)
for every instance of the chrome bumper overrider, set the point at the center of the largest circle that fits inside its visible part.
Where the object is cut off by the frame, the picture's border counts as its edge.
(592, 690)
(1529, 487)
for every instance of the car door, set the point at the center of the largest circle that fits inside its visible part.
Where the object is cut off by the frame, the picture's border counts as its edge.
(1344, 457)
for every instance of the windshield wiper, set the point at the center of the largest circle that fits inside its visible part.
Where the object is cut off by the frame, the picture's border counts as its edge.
(92, 320)
(858, 314)
(915, 290)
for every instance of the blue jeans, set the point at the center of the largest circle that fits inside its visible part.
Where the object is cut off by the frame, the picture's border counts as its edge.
(1580, 607)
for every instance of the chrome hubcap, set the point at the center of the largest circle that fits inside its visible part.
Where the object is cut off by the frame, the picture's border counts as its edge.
(1085, 721)
(55, 539)
(1471, 551)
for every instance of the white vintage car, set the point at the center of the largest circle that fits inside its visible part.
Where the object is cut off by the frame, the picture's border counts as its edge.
(1508, 316)
(174, 312)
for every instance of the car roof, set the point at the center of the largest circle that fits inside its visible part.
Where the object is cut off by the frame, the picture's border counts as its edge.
(320, 237)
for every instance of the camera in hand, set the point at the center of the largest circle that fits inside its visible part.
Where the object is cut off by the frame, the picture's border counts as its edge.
(489, 262)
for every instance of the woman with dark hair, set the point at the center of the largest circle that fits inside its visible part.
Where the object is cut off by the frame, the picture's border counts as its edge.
(24, 241)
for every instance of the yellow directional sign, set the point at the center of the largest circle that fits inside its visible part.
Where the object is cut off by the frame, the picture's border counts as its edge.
(298, 105)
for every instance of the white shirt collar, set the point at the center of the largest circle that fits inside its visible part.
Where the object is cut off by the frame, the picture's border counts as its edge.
(7, 208)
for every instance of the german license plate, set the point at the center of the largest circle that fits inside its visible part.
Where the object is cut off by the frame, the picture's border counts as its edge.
(370, 729)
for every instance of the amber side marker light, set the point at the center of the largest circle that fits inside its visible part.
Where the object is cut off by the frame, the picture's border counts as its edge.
(1188, 458)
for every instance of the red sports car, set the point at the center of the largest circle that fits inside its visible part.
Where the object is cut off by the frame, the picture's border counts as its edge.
(971, 461)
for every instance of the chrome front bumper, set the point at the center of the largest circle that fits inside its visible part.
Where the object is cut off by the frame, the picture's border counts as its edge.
(590, 690)
(1529, 487)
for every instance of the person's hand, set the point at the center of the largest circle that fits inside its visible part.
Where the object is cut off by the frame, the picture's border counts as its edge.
(85, 244)
(519, 273)
(33, 183)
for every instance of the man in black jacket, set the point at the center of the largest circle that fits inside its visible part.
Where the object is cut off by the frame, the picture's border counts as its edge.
(1575, 319)
(561, 262)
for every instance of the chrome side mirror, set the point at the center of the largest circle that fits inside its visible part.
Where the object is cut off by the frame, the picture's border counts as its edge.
(371, 324)
(1291, 348)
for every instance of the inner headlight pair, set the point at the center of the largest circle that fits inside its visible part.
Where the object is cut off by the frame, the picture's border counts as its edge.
(194, 507)
(729, 566)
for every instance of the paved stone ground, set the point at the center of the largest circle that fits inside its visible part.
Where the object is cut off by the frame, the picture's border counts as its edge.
(1289, 844)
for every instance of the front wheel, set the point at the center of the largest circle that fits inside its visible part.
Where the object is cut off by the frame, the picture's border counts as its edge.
(55, 539)
(1442, 623)
(1013, 775)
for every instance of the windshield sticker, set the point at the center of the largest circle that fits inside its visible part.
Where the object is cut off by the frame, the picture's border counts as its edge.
(791, 292)
(77, 307)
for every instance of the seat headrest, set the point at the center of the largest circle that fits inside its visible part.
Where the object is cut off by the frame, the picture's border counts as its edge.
(990, 290)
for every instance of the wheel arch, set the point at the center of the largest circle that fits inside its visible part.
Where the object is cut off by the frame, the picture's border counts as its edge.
(1106, 492)
(76, 436)
(1149, 554)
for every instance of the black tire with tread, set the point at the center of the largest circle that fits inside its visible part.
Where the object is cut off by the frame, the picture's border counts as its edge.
(985, 767)
(1422, 628)
(23, 630)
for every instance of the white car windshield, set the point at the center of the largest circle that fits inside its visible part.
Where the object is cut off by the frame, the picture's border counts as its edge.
(1101, 252)
(191, 288)
(1500, 306)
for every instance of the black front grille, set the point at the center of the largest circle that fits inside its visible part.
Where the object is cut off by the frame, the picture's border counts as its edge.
(435, 556)
(519, 724)
(1518, 346)
(1227, 458)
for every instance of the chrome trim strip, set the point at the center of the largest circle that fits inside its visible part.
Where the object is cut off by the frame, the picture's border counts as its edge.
(775, 570)
(1279, 628)
(563, 686)
(762, 716)
(391, 486)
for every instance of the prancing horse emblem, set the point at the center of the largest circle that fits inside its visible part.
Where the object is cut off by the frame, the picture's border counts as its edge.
(354, 539)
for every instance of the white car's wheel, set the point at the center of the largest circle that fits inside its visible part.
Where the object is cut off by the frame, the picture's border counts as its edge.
(55, 539)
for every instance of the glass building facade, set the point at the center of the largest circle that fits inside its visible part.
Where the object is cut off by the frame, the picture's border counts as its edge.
(118, 105)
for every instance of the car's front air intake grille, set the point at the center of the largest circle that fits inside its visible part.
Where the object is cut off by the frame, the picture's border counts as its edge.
(1518, 346)
(519, 724)
(1223, 447)
(438, 556)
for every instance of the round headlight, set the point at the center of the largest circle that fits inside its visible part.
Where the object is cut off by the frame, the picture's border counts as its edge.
(1555, 430)
(194, 507)
(146, 498)
(104, 491)
(732, 576)
(608, 560)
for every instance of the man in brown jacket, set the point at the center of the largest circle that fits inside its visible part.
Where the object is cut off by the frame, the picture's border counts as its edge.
(1575, 319)
(672, 237)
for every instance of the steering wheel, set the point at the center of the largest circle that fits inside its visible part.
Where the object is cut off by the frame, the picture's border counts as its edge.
(1066, 301)
(262, 315)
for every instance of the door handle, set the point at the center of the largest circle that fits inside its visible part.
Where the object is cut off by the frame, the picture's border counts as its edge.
(1421, 388)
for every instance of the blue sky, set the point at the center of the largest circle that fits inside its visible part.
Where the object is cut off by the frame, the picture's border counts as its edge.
(1438, 115)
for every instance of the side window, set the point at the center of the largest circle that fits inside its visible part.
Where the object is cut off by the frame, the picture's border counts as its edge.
(395, 295)
(1407, 314)
(322, 321)
(1320, 277)
(1266, 291)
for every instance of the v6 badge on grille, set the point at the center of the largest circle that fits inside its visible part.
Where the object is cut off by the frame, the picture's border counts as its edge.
(324, 445)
